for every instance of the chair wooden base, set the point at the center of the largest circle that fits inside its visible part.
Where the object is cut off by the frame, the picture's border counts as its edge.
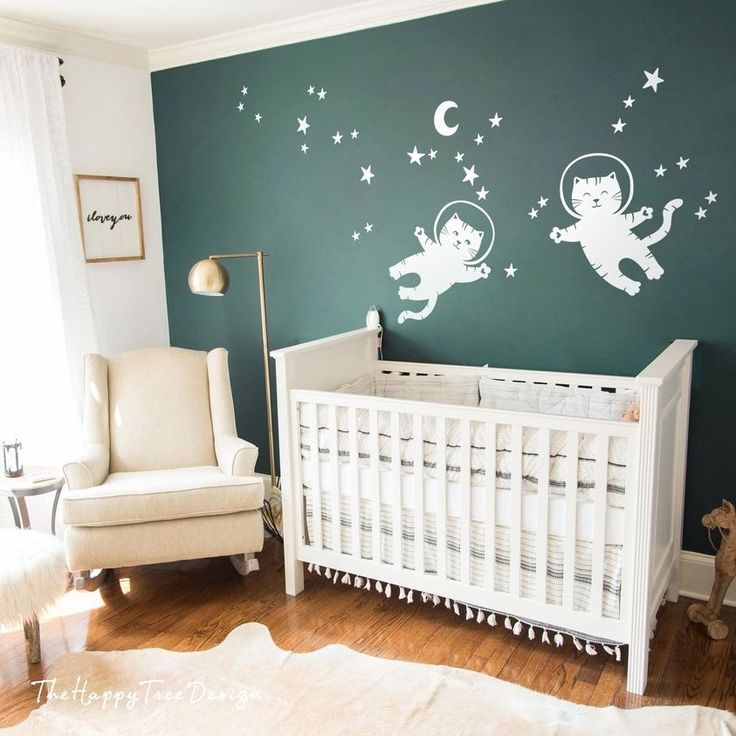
(84, 580)
(245, 564)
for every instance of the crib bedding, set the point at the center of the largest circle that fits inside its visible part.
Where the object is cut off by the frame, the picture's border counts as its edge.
(454, 456)
(454, 493)
(613, 553)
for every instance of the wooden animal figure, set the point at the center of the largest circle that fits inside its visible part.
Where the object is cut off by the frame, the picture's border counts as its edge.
(724, 519)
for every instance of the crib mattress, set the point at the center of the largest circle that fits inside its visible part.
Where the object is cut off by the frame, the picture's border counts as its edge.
(478, 494)
(479, 571)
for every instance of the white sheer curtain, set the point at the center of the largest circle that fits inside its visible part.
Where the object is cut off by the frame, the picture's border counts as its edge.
(45, 308)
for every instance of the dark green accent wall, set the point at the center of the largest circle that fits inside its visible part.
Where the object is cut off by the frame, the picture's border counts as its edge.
(557, 72)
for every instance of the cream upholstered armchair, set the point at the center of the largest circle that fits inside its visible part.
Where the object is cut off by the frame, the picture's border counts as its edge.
(163, 475)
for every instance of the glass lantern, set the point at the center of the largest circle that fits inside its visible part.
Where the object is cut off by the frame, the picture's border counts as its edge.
(11, 459)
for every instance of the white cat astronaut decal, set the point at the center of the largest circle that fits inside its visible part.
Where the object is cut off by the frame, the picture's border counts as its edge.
(605, 232)
(451, 258)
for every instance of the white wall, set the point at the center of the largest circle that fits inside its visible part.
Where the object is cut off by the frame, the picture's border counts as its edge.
(109, 115)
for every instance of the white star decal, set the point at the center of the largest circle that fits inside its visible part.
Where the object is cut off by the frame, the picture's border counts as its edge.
(533, 213)
(482, 193)
(258, 117)
(354, 133)
(244, 91)
(240, 106)
(511, 271)
(470, 175)
(459, 156)
(432, 154)
(682, 163)
(711, 197)
(653, 79)
(321, 94)
(303, 125)
(415, 157)
(542, 202)
(478, 139)
(310, 89)
(618, 127)
(629, 101)
(356, 235)
(367, 173)
(495, 121)
(368, 227)
(304, 147)
(700, 214)
(659, 171)
(337, 137)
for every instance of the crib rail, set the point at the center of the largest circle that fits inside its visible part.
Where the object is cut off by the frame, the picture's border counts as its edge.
(330, 421)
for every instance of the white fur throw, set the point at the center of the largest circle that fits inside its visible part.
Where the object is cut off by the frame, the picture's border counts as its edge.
(33, 574)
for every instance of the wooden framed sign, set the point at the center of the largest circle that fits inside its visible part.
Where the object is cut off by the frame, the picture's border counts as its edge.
(110, 217)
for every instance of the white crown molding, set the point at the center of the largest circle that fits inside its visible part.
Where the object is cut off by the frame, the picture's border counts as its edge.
(305, 28)
(696, 577)
(60, 41)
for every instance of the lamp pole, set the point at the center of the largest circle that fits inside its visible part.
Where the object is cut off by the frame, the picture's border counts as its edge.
(259, 256)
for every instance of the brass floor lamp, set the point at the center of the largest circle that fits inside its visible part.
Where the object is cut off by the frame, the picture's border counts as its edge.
(210, 278)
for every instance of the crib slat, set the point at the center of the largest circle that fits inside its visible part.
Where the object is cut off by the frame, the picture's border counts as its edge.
(335, 480)
(490, 506)
(354, 482)
(441, 477)
(516, 471)
(396, 505)
(316, 484)
(599, 524)
(571, 507)
(465, 501)
(542, 513)
(375, 485)
(298, 491)
(418, 494)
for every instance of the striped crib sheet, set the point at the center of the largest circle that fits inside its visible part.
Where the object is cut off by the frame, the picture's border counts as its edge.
(613, 555)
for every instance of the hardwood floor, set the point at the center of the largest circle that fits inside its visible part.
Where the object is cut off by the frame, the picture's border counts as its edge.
(194, 605)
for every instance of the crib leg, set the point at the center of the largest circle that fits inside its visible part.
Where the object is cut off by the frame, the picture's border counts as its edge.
(673, 589)
(293, 569)
(638, 665)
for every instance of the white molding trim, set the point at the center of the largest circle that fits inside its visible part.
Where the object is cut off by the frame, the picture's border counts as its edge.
(354, 17)
(60, 41)
(696, 577)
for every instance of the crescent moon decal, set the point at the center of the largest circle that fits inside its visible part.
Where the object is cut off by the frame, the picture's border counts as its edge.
(440, 123)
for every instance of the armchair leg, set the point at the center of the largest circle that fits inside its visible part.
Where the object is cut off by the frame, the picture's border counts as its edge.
(245, 563)
(85, 581)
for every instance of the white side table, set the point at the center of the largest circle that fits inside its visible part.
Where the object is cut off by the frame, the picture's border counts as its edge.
(18, 489)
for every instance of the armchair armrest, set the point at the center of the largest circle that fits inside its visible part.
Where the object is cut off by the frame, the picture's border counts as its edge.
(235, 456)
(89, 469)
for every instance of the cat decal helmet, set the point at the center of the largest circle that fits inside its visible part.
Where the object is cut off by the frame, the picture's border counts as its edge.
(454, 256)
(605, 232)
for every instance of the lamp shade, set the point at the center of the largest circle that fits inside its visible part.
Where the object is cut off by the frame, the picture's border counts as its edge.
(208, 278)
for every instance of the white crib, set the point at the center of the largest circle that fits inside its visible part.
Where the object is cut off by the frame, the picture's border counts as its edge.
(457, 534)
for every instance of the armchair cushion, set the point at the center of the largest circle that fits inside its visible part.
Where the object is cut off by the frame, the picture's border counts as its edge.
(158, 495)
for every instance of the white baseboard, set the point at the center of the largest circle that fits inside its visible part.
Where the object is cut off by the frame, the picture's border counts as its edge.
(696, 577)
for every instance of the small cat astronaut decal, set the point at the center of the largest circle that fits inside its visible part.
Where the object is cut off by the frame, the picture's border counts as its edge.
(604, 230)
(448, 259)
